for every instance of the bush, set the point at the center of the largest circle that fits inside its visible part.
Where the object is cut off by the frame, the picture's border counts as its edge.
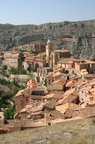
(5, 99)
(15, 83)
(13, 70)
(44, 57)
(4, 67)
(19, 70)
(22, 87)
(34, 51)
(21, 56)
(29, 69)
(3, 70)
(4, 82)
(90, 71)
(9, 113)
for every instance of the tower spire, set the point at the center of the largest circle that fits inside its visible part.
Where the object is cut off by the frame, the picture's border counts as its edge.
(49, 49)
(49, 41)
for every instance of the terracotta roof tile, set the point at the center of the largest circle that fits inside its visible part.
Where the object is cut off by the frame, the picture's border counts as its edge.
(50, 105)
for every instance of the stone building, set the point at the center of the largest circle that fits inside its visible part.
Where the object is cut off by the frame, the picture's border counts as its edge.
(56, 55)
(21, 99)
(42, 72)
(11, 59)
(54, 76)
(49, 49)
(58, 85)
(25, 96)
(76, 64)
(40, 62)
(53, 56)
(30, 47)
(87, 94)
(32, 60)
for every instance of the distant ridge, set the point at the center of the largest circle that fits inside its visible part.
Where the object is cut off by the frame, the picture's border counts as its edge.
(78, 37)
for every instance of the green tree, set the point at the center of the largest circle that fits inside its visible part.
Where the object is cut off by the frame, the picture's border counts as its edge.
(19, 70)
(13, 70)
(9, 113)
(29, 69)
(4, 82)
(21, 56)
(15, 83)
(4, 67)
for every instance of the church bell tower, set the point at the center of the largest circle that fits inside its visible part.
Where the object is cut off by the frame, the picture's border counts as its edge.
(49, 49)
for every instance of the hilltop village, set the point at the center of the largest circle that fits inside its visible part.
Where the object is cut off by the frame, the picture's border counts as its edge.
(61, 88)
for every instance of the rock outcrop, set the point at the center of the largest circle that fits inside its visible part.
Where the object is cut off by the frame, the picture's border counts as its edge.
(78, 37)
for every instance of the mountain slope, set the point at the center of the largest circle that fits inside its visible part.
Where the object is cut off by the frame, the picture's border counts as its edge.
(71, 132)
(78, 37)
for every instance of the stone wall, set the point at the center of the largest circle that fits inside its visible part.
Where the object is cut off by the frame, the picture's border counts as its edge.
(21, 79)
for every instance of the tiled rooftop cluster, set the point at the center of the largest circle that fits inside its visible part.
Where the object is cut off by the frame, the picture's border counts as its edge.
(62, 91)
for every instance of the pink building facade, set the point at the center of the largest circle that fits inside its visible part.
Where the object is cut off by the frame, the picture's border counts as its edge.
(77, 64)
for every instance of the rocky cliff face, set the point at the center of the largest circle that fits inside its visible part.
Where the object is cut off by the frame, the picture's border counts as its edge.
(78, 37)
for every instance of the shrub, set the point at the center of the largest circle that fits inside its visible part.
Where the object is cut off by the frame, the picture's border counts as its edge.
(90, 71)
(4, 82)
(4, 67)
(21, 56)
(34, 51)
(9, 113)
(19, 70)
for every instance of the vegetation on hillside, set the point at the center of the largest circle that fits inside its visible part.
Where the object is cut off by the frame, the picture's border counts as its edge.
(19, 70)
(21, 56)
(9, 113)
(34, 51)
(33, 69)
(6, 98)
(7, 102)
(3, 70)
(9, 84)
